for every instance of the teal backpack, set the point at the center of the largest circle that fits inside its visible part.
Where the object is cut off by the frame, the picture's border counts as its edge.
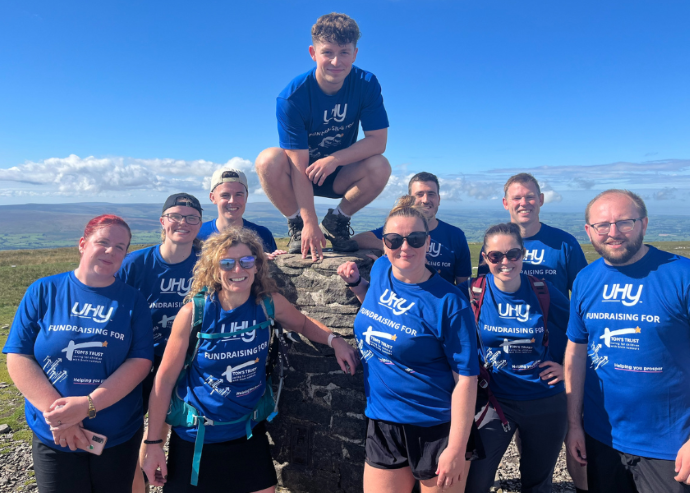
(181, 413)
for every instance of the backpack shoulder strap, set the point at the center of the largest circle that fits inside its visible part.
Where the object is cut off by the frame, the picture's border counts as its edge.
(542, 291)
(268, 307)
(477, 290)
(198, 311)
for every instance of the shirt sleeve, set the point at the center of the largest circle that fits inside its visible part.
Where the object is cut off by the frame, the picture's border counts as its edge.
(373, 115)
(270, 242)
(125, 273)
(559, 309)
(460, 343)
(25, 327)
(378, 232)
(463, 259)
(576, 262)
(577, 332)
(292, 129)
(142, 335)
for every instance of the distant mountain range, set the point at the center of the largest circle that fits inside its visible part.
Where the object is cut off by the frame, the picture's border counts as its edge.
(58, 225)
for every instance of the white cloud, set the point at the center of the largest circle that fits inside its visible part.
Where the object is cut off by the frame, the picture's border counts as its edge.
(91, 176)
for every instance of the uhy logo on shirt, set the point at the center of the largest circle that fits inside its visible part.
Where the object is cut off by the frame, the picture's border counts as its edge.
(180, 286)
(534, 257)
(93, 312)
(622, 293)
(516, 312)
(336, 114)
(434, 249)
(394, 303)
(235, 326)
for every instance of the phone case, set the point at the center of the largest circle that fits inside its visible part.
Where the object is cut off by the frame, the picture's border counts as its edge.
(96, 442)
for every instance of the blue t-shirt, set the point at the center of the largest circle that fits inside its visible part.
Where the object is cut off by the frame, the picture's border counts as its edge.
(269, 243)
(634, 320)
(448, 254)
(80, 336)
(228, 376)
(512, 331)
(557, 257)
(310, 119)
(163, 285)
(412, 337)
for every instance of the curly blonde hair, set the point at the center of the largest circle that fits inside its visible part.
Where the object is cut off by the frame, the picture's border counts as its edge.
(207, 269)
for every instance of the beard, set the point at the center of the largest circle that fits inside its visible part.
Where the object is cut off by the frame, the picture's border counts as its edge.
(623, 255)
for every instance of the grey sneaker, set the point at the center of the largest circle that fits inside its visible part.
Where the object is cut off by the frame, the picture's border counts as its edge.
(336, 228)
(295, 231)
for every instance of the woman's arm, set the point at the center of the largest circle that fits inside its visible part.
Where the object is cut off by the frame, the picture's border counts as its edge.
(68, 411)
(451, 463)
(173, 360)
(349, 272)
(31, 381)
(292, 319)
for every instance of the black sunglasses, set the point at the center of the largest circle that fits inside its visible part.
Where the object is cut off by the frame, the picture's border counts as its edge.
(415, 239)
(514, 254)
(228, 264)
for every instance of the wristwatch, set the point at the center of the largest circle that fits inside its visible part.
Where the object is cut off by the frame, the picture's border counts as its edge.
(92, 410)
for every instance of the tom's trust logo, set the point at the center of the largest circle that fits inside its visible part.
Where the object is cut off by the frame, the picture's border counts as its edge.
(434, 249)
(391, 301)
(534, 257)
(94, 312)
(517, 312)
(336, 114)
(180, 286)
(81, 347)
(622, 293)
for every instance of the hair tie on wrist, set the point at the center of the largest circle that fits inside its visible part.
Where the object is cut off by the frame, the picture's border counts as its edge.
(354, 284)
(152, 442)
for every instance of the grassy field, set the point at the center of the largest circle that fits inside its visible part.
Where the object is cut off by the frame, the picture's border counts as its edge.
(19, 268)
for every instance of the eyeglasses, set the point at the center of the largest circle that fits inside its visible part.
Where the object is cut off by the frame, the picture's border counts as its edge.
(514, 254)
(177, 218)
(416, 239)
(623, 226)
(228, 264)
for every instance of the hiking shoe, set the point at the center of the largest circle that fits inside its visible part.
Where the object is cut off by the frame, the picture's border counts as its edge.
(295, 231)
(336, 228)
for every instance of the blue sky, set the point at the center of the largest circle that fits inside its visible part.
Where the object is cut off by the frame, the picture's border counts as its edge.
(130, 101)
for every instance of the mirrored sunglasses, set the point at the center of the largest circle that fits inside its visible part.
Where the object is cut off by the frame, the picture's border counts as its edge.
(245, 262)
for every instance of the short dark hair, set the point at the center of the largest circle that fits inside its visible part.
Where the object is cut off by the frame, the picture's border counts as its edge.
(510, 229)
(335, 28)
(637, 200)
(521, 178)
(423, 176)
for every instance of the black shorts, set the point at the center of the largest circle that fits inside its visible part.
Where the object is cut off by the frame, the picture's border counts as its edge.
(147, 384)
(394, 446)
(235, 466)
(611, 470)
(326, 190)
(68, 472)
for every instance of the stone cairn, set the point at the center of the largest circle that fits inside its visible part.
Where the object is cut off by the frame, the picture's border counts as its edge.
(318, 436)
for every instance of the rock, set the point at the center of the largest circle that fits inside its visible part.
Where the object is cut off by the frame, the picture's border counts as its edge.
(5, 429)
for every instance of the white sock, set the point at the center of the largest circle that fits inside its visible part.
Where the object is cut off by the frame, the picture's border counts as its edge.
(293, 216)
(337, 210)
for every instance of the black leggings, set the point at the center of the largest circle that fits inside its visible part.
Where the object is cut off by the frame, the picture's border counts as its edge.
(542, 425)
(82, 472)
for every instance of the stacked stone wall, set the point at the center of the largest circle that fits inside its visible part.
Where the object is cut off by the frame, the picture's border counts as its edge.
(318, 437)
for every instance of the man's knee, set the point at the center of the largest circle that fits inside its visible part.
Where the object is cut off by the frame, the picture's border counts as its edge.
(271, 161)
(378, 168)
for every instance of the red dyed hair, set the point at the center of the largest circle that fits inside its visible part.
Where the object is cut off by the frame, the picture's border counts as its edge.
(103, 221)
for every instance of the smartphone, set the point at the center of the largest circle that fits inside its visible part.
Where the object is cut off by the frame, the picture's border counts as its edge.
(96, 442)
